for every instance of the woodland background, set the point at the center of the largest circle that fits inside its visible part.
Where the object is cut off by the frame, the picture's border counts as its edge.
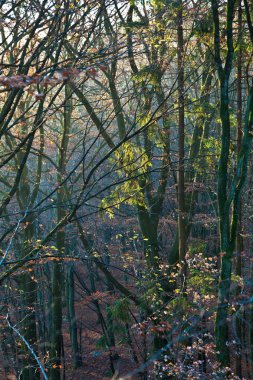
(126, 189)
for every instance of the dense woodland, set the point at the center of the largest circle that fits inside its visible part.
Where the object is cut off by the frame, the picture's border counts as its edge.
(126, 181)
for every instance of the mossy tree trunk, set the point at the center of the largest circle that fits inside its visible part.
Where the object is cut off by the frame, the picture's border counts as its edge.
(239, 238)
(229, 194)
(181, 139)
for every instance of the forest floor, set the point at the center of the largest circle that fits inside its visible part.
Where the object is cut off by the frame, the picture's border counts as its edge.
(96, 361)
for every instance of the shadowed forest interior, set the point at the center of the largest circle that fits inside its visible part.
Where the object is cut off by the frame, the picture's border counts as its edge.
(126, 182)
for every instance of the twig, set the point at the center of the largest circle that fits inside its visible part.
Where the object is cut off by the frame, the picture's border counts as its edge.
(29, 347)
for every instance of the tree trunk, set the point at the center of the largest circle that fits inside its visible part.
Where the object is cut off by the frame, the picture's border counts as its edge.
(181, 137)
(57, 275)
(28, 284)
(239, 239)
(72, 317)
(227, 237)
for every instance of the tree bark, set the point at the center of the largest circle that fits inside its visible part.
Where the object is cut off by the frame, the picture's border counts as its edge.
(181, 139)
(57, 274)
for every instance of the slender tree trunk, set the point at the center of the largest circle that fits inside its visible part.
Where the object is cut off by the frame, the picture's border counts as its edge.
(72, 317)
(56, 327)
(26, 196)
(227, 242)
(200, 134)
(57, 275)
(239, 239)
(29, 300)
(181, 138)
(250, 331)
(222, 330)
